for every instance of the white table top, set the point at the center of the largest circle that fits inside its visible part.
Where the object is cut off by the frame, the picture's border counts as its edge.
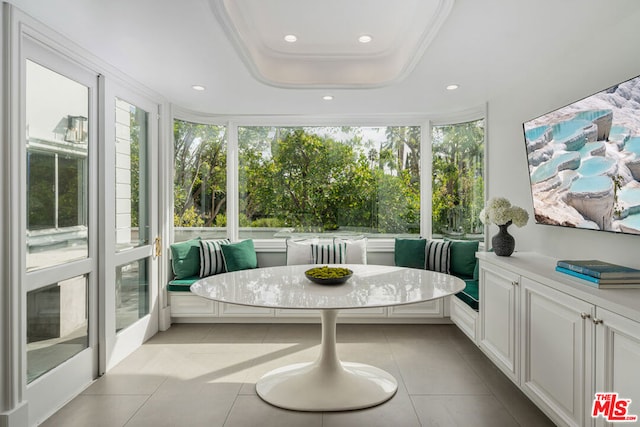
(287, 287)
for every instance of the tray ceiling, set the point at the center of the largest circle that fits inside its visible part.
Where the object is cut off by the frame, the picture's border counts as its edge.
(327, 52)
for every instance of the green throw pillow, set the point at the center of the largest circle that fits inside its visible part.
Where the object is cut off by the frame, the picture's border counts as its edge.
(185, 258)
(240, 255)
(463, 257)
(409, 252)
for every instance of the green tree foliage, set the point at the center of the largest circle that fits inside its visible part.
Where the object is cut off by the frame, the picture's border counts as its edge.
(458, 179)
(323, 179)
(312, 182)
(137, 125)
(200, 175)
(41, 192)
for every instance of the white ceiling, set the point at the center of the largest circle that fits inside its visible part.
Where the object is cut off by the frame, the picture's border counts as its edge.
(327, 52)
(487, 47)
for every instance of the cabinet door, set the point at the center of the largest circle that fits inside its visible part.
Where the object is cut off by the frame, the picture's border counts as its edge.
(499, 332)
(557, 343)
(617, 359)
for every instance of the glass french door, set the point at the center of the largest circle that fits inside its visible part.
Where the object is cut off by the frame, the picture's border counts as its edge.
(130, 203)
(59, 222)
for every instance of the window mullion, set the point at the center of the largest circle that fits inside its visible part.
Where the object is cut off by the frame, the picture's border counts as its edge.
(233, 202)
(426, 176)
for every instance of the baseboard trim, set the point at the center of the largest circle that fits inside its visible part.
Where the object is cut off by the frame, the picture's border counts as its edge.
(17, 417)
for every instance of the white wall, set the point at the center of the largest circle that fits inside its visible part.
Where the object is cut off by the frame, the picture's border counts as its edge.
(609, 57)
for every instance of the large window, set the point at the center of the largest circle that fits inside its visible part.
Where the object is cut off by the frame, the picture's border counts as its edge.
(458, 180)
(200, 180)
(363, 180)
(296, 181)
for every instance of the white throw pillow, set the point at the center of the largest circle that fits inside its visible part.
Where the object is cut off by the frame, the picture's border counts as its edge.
(356, 249)
(299, 251)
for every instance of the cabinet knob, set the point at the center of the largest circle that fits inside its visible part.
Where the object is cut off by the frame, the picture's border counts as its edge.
(515, 283)
(596, 321)
(585, 315)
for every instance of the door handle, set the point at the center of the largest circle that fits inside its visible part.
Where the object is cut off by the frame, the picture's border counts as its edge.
(158, 246)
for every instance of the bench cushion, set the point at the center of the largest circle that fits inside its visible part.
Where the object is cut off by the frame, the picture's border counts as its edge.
(470, 294)
(182, 285)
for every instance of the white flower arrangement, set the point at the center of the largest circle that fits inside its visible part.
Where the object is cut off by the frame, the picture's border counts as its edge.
(499, 211)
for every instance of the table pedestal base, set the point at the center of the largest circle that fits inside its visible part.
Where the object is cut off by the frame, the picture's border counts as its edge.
(327, 384)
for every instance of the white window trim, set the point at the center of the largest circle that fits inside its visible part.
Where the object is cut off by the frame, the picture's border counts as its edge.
(232, 122)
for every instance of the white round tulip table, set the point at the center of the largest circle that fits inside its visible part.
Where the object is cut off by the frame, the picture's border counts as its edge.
(327, 384)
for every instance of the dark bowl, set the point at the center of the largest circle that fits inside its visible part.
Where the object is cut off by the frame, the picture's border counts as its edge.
(330, 281)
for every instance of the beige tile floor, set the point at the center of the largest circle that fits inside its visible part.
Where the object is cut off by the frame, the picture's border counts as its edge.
(204, 375)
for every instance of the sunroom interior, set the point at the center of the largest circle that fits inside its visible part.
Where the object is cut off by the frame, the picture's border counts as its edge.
(132, 127)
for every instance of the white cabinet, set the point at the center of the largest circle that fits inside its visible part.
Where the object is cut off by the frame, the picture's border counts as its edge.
(617, 358)
(498, 326)
(557, 338)
(571, 339)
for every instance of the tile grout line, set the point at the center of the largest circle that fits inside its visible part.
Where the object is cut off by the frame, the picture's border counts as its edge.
(144, 403)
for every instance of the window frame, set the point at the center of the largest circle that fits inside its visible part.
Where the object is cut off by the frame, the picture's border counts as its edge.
(426, 123)
(463, 119)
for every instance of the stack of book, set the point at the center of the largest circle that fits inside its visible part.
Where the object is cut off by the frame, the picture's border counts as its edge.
(601, 274)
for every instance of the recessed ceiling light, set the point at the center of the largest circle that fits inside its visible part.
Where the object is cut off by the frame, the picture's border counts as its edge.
(328, 97)
(365, 38)
(452, 87)
(198, 87)
(290, 38)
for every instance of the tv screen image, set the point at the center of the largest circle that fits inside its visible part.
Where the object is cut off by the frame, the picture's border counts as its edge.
(584, 162)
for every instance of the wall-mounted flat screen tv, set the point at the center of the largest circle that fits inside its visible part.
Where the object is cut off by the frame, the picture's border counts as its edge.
(584, 162)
